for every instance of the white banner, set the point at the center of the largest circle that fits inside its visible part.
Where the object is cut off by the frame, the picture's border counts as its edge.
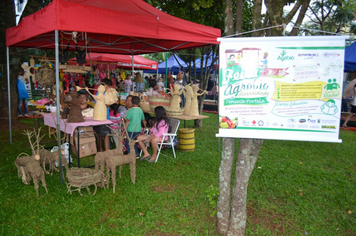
(286, 88)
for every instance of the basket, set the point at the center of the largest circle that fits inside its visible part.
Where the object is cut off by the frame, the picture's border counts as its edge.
(145, 106)
(174, 112)
(45, 76)
(158, 101)
(78, 177)
(82, 178)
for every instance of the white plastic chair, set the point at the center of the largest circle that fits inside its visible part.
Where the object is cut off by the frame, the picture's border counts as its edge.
(174, 125)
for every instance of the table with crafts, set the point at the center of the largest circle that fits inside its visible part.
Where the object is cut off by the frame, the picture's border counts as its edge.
(182, 117)
(77, 131)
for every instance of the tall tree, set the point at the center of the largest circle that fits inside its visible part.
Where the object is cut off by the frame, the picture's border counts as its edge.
(330, 15)
(231, 208)
(17, 56)
(7, 15)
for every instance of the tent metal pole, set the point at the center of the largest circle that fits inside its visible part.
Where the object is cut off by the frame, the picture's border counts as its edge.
(166, 69)
(132, 72)
(8, 90)
(58, 112)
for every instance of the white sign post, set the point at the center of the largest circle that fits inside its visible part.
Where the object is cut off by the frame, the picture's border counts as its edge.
(286, 88)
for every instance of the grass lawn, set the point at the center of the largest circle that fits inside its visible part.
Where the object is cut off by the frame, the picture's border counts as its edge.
(297, 188)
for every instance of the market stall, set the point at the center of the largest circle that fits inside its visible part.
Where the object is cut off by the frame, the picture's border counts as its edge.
(113, 26)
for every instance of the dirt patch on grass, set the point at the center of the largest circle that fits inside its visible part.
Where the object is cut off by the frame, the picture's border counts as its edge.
(163, 188)
(268, 219)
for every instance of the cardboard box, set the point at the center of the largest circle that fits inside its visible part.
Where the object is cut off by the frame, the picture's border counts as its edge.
(87, 143)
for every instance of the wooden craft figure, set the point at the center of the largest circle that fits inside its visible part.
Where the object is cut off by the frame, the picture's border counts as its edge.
(110, 97)
(112, 161)
(174, 103)
(80, 178)
(75, 112)
(30, 70)
(50, 158)
(188, 99)
(118, 160)
(45, 74)
(100, 110)
(194, 110)
(101, 157)
(28, 166)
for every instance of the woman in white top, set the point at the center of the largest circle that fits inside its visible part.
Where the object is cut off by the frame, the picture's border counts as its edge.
(353, 110)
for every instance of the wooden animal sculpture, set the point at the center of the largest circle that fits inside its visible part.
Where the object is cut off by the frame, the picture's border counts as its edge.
(118, 160)
(29, 167)
(101, 157)
(75, 113)
(188, 99)
(50, 158)
(194, 110)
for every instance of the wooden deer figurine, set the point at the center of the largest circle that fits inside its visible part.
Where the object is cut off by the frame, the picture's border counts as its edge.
(113, 161)
(29, 167)
(50, 158)
(118, 160)
(101, 157)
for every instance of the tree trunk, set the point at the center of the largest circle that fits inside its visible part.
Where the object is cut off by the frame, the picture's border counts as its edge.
(229, 21)
(301, 15)
(199, 123)
(257, 21)
(246, 160)
(16, 57)
(7, 11)
(225, 170)
(238, 25)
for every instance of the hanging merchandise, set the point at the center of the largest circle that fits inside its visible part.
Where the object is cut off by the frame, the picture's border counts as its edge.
(122, 74)
(91, 79)
(45, 74)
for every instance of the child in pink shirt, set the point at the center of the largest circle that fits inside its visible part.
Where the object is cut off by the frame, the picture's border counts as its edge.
(159, 128)
(115, 118)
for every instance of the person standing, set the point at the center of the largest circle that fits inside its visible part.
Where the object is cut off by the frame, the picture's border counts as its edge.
(127, 83)
(23, 95)
(353, 109)
(140, 83)
(133, 120)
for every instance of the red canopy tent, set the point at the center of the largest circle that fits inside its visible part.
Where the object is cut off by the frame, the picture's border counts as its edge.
(125, 61)
(112, 26)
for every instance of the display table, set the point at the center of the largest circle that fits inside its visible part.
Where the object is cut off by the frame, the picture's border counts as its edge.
(182, 117)
(50, 119)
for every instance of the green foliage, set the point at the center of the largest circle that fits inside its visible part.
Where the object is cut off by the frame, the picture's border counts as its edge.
(331, 16)
(212, 194)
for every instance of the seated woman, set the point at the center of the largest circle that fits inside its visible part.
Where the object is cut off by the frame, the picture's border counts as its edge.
(160, 127)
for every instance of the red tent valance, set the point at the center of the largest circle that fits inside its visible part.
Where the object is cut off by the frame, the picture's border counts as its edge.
(111, 26)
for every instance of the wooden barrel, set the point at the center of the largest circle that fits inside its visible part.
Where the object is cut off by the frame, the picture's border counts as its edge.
(186, 140)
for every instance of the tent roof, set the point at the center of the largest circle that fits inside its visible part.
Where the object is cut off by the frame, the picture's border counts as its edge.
(111, 26)
(172, 65)
(122, 60)
(350, 58)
